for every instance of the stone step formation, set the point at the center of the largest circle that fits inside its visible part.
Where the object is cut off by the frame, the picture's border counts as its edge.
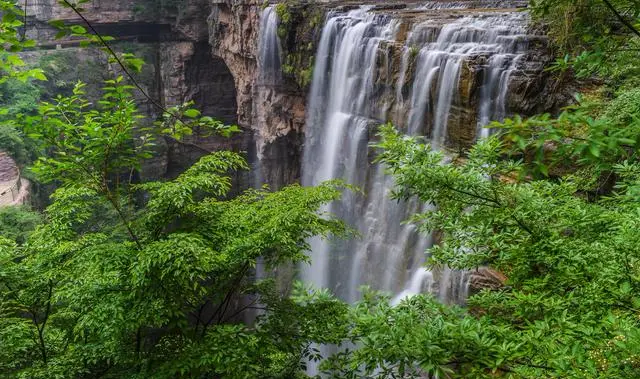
(11, 190)
(8, 168)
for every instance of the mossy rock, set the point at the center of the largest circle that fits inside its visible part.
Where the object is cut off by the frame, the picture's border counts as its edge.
(299, 32)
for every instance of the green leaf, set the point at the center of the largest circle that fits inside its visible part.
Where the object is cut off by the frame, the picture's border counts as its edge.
(191, 113)
(38, 74)
(78, 29)
(58, 24)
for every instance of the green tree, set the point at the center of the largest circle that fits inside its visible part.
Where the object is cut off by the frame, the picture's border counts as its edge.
(570, 306)
(148, 280)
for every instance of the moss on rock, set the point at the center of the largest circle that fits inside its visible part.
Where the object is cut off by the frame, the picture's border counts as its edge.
(299, 32)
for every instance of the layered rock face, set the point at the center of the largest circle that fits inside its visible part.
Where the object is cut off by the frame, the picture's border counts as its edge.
(142, 19)
(273, 110)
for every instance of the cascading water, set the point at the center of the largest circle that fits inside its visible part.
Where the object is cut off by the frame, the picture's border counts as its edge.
(268, 78)
(269, 75)
(494, 38)
(269, 50)
(344, 107)
(339, 114)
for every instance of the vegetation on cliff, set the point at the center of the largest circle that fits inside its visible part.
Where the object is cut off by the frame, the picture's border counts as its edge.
(298, 30)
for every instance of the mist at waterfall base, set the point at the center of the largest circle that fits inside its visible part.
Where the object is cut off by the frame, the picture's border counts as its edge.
(345, 107)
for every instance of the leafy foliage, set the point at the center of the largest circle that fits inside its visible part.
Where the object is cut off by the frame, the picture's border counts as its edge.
(19, 97)
(147, 280)
(16, 223)
(13, 71)
(11, 65)
(594, 37)
(577, 138)
(569, 308)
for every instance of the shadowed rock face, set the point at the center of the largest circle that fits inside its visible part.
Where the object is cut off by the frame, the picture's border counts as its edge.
(211, 84)
(179, 67)
(184, 20)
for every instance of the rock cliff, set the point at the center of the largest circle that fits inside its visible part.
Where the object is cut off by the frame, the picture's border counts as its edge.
(206, 51)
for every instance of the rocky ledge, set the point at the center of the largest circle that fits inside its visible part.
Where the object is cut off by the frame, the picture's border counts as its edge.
(13, 189)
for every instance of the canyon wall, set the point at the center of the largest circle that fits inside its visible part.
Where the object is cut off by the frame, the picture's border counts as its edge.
(172, 37)
(206, 51)
(198, 50)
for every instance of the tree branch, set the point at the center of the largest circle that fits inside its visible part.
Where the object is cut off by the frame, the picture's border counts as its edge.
(225, 302)
(117, 59)
(40, 327)
(621, 18)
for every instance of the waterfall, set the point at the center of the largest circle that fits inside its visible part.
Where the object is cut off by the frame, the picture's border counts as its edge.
(269, 50)
(339, 115)
(494, 38)
(269, 75)
(267, 82)
(344, 106)
(502, 41)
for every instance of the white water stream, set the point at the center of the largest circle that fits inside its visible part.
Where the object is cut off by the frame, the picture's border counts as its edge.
(343, 111)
